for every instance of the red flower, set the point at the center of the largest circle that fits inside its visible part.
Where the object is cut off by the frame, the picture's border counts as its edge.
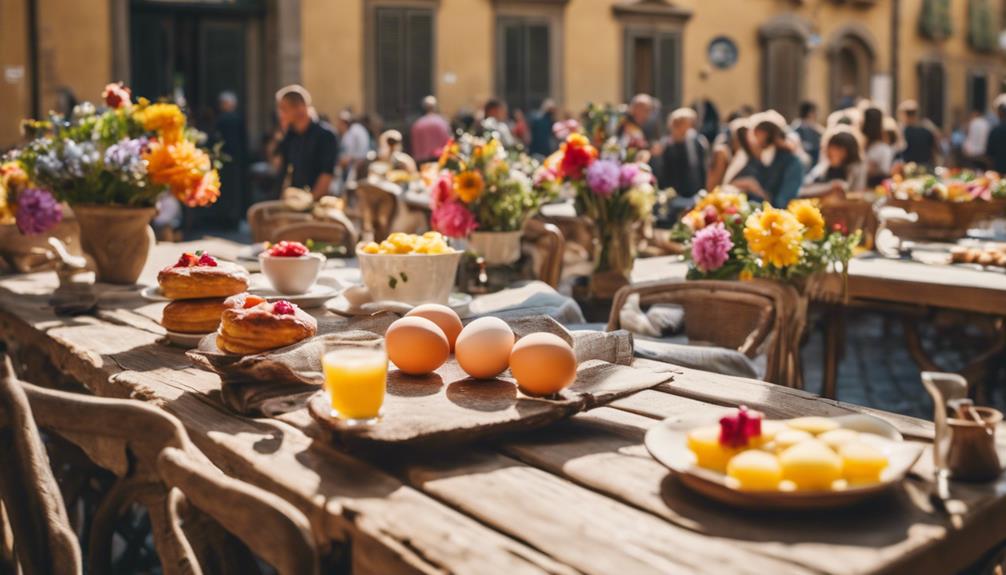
(577, 155)
(443, 190)
(841, 227)
(117, 95)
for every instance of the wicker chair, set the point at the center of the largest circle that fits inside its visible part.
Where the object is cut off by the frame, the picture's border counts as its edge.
(751, 317)
(546, 244)
(264, 218)
(377, 206)
(158, 468)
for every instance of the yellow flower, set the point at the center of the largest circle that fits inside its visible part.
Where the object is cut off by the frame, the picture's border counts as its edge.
(746, 276)
(774, 235)
(468, 186)
(722, 201)
(695, 220)
(808, 215)
(165, 119)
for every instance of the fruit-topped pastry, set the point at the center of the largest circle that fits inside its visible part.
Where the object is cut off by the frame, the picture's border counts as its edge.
(198, 275)
(287, 250)
(251, 324)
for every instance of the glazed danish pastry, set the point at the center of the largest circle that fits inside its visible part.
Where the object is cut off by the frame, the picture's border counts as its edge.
(200, 276)
(193, 315)
(249, 324)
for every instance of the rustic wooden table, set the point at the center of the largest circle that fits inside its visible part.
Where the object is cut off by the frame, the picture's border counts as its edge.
(892, 285)
(582, 496)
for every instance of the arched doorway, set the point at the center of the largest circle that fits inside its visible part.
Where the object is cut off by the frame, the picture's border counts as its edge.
(784, 62)
(851, 55)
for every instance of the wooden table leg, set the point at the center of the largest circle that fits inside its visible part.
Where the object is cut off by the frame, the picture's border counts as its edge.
(976, 371)
(834, 348)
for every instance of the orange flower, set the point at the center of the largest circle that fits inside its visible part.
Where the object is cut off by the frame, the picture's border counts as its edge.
(184, 168)
(468, 186)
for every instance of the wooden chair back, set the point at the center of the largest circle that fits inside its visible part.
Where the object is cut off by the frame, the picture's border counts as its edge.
(44, 543)
(377, 206)
(107, 431)
(265, 217)
(752, 317)
(547, 245)
(852, 214)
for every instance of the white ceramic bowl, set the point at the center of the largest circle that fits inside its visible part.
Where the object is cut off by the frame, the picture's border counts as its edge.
(409, 278)
(289, 275)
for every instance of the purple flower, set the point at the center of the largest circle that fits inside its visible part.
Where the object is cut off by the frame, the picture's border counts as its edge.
(603, 177)
(37, 211)
(711, 247)
(628, 175)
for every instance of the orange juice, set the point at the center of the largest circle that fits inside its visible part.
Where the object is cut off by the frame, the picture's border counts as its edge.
(355, 378)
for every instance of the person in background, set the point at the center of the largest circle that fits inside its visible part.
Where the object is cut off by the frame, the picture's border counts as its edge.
(976, 140)
(879, 153)
(521, 130)
(809, 130)
(920, 141)
(429, 133)
(633, 131)
(841, 168)
(308, 149)
(355, 144)
(389, 150)
(708, 122)
(778, 171)
(725, 150)
(495, 120)
(740, 165)
(543, 140)
(995, 148)
(683, 155)
(230, 129)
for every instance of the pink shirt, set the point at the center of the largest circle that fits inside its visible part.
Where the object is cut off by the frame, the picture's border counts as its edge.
(428, 136)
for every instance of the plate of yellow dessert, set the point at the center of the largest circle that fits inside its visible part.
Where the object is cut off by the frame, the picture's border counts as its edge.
(802, 463)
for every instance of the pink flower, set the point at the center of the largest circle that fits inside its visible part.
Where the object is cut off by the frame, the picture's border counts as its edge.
(443, 190)
(453, 220)
(711, 247)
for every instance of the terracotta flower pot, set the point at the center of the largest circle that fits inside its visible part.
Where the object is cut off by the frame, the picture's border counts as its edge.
(496, 248)
(118, 238)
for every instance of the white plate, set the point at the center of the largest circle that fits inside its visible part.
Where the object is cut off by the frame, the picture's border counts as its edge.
(666, 442)
(184, 340)
(314, 297)
(459, 302)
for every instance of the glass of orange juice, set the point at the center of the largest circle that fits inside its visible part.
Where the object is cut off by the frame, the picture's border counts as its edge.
(355, 378)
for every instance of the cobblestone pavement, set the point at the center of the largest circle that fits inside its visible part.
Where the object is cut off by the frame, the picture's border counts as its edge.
(877, 370)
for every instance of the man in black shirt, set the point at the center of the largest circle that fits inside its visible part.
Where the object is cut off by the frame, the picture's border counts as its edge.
(920, 142)
(309, 148)
(996, 148)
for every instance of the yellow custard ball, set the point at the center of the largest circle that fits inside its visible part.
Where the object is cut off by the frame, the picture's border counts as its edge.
(704, 442)
(838, 437)
(815, 425)
(811, 465)
(755, 470)
(787, 438)
(861, 462)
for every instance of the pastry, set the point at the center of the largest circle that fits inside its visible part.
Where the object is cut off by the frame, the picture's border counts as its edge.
(250, 325)
(193, 315)
(200, 276)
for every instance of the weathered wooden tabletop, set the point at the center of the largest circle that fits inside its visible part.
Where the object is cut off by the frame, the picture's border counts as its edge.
(582, 496)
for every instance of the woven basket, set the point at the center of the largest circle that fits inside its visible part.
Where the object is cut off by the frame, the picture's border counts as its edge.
(939, 220)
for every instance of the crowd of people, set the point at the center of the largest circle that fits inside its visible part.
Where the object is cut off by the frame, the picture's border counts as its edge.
(759, 153)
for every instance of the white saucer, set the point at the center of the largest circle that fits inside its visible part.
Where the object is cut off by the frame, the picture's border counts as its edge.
(184, 340)
(314, 297)
(459, 302)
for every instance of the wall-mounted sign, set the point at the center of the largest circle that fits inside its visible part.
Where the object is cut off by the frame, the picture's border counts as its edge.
(723, 52)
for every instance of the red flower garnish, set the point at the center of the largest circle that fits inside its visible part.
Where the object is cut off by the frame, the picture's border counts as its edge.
(738, 430)
(283, 307)
(207, 260)
(288, 250)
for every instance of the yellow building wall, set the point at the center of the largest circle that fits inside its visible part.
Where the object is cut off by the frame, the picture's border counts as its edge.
(15, 93)
(593, 55)
(75, 49)
(465, 56)
(332, 56)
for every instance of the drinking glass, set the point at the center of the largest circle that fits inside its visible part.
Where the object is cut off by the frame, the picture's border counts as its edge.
(355, 380)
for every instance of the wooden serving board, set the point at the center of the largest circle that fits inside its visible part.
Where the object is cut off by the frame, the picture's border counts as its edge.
(447, 407)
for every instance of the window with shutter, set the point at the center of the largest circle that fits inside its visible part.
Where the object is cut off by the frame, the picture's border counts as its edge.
(524, 67)
(403, 49)
(653, 66)
(932, 78)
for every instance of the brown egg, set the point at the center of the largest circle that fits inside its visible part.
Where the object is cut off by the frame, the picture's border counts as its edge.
(445, 318)
(483, 347)
(542, 364)
(416, 345)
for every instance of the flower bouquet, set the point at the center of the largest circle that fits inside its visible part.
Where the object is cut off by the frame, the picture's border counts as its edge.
(111, 165)
(948, 202)
(486, 193)
(730, 238)
(615, 194)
